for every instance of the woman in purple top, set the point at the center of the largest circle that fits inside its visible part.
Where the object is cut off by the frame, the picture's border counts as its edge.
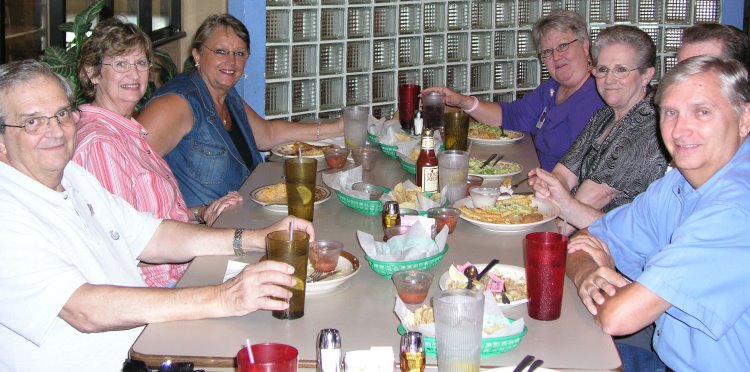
(556, 111)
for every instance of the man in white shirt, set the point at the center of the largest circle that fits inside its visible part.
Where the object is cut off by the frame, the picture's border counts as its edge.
(73, 298)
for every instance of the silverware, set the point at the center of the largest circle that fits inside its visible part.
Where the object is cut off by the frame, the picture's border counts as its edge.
(537, 363)
(471, 274)
(487, 161)
(317, 276)
(520, 182)
(498, 160)
(524, 363)
(502, 132)
(487, 268)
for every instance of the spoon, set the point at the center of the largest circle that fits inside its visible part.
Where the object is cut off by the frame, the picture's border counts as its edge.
(471, 274)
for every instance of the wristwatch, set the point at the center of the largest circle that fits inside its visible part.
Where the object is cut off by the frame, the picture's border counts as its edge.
(197, 214)
(237, 242)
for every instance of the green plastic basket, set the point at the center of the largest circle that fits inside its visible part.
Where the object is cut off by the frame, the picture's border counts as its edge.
(409, 167)
(387, 269)
(490, 346)
(389, 150)
(369, 207)
(373, 139)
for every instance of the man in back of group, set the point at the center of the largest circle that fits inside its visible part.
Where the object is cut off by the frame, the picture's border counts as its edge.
(684, 242)
(73, 299)
(714, 39)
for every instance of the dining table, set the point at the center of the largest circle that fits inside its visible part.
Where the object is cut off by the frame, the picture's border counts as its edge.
(362, 308)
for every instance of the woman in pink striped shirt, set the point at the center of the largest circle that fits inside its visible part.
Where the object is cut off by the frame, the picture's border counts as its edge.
(113, 73)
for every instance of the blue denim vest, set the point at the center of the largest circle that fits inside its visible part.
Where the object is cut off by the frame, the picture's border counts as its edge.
(206, 162)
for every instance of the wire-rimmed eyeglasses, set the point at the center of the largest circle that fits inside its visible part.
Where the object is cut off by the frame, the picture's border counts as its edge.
(66, 117)
(546, 53)
(124, 66)
(619, 71)
(223, 53)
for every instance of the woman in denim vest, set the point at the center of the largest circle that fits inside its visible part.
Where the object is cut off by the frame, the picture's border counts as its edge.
(207, 133)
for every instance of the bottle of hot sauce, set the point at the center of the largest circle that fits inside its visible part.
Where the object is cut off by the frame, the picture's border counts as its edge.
(427, 163)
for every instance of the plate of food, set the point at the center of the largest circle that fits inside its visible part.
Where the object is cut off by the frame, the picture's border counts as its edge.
(347, 267)
(273, 197)
(510, 213)
(513, 279)
(493, 171)
(309, 149)
(489, 135)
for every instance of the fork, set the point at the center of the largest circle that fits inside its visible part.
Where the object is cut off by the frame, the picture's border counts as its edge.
(317, 276)
(502, 132)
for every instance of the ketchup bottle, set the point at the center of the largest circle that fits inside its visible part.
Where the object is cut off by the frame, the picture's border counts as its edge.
(427, 163)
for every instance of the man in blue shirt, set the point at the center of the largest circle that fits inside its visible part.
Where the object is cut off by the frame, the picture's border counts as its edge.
(682, 248)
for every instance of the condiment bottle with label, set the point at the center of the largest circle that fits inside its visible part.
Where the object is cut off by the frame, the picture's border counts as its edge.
(427, 163)
(412, 355)
(329, 351)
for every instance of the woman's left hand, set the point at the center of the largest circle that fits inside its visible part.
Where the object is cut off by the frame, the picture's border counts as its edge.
(212, 212)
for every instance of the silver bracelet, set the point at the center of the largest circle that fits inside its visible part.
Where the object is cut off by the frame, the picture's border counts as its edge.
(197, 215)
(237, 242)
(317, 131)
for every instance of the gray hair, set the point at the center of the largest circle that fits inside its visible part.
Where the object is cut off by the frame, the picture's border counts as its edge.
(733, 79)
(734, 43)
(639, 40)
(220, 20)
(16, 73)
(560, 20)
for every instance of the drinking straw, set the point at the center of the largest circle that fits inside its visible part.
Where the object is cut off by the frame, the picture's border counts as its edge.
(299, 151)
(291, 230)
(249, 351)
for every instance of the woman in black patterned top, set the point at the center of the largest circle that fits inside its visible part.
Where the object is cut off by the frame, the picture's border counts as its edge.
(619, 153)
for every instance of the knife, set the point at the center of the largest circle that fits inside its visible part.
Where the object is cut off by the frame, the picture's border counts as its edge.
(537, 363)
(524, 363)
(487, 161)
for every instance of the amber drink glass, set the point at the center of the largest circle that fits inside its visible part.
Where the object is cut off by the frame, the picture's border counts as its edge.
(279, 247)
(300, 186)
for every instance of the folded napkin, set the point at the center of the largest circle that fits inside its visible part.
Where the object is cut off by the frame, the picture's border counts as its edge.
(414, 245)
(233, 268)
(392, 134)
(375, 126)
(343, 181)
(377, 359)
(494, 324)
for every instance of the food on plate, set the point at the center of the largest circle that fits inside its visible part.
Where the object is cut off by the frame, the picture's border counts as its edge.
(408, 198)
(308, 149)
(495, 281)
(484, 131)
(501, 167)
(276, 194)
(517, 209)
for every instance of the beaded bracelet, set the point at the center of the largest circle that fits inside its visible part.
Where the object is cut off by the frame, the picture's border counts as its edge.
(473, 105)
(317, 131)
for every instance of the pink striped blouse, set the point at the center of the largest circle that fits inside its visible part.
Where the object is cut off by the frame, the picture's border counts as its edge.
(114, 149)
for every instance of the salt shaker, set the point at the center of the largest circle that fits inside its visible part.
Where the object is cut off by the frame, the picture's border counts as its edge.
(412, 356)
(328, 351)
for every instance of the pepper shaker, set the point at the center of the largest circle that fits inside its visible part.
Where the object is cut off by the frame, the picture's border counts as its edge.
(412, 356)
(328, 351)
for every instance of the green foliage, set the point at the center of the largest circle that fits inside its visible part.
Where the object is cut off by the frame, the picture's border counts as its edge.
(63, 60)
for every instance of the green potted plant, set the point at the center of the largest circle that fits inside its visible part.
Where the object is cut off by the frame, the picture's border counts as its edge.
(64, 60)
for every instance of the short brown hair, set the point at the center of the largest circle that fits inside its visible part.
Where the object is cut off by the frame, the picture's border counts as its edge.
(734, 43)
(111, 37)
(560, 20)
(220, 20)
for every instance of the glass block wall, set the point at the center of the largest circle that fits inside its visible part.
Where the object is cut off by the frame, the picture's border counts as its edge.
(322, 55)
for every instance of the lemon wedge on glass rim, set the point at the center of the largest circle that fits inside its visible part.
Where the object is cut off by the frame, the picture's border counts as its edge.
(457, 276)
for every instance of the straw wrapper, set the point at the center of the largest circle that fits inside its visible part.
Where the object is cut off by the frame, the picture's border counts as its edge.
(495, 323)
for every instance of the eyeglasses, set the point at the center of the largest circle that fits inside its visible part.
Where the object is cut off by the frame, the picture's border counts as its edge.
(221, 53)
(124, 66)
(620, 71)
(66, 117)
(546, 53)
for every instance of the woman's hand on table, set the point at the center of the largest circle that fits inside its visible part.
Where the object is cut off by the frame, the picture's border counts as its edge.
(258, 287)
(213, 210)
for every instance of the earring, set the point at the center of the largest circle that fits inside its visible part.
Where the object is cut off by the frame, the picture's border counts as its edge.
(197, 65)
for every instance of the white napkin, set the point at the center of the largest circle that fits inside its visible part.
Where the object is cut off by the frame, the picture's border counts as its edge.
(233, 268)
(414, 245)
(494, 320)
(377, 359)
(423, 202)
(389, 135)
(375, 126)
(343, 181)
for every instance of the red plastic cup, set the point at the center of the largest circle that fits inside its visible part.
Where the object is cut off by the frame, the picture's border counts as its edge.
(268, 358)
(545, 273)
(408, 104)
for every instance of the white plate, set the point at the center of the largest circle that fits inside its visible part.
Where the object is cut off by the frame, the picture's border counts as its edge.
(548, 209)
(498, 176)
(348, 265)
(509, 271)
(326, 194)
(500, 141)
(276, 150)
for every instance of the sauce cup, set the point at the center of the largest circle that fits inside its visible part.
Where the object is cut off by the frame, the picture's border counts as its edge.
(483, 197)
(412, 285)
